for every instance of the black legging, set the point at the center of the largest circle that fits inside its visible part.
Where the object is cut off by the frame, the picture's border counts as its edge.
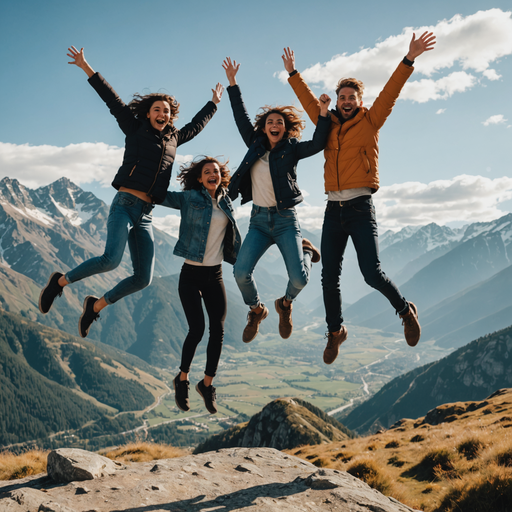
(206, 282)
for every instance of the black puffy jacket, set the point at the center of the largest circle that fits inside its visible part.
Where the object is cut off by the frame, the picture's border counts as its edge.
(283, 158)
(149, 154)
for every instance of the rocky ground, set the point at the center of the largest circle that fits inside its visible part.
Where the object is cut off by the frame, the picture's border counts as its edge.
(228, 480)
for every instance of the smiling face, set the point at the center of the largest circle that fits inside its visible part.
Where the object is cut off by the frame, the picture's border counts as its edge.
(210, 177)
(274, 129)
(159, 115)
(348, 102)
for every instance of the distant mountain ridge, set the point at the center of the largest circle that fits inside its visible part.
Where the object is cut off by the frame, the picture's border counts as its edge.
(470, 373)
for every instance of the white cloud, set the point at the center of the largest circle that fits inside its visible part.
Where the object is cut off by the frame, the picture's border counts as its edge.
(36, 166)
(441, 111)
(497, 119)
(465, 48)
(463, 198)
(491, 74)
(170, 224)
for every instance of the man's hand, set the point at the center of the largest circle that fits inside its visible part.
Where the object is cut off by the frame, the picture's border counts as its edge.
(217, 93)
(288, 60)
(79, 60)
(324, 102)
(231, 69)
(424, 44)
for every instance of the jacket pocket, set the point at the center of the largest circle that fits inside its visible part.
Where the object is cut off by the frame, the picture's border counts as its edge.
(366, 160)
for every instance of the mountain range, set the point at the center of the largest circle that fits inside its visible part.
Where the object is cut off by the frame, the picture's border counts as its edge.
(471, 372)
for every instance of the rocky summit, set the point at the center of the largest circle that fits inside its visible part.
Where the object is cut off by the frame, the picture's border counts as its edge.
(282, 424)
(233, 479)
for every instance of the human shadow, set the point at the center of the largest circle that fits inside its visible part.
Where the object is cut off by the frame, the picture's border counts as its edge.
(229, 502)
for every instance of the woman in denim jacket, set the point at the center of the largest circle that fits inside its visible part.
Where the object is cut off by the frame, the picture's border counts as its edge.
(142, 180)
(268, 177)
(208, 235)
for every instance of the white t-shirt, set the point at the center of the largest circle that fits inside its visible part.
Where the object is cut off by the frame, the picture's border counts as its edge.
(348, 194)
(214, 252)
(262, 187)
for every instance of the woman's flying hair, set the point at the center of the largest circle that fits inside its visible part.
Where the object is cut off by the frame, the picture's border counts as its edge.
(292, 121)
(140, 105)
(353, 83)
(189, 175)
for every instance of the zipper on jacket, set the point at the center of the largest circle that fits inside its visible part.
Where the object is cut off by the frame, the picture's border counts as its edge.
(158, 169)
(133, 169)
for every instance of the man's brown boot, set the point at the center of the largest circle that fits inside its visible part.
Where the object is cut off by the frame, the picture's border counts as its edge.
(285, 318)
(412, 328)
(334, 341)
(253, 323)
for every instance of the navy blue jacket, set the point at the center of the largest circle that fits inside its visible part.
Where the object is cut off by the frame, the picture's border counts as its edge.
(149, 154)
(196, 213)
(283, 158)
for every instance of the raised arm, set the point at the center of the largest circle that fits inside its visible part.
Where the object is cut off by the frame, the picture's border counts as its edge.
(79, 60)
(319, 140)
(304, 94)
(425, 43)
(231, 69)
(242, 119)
(217, 93)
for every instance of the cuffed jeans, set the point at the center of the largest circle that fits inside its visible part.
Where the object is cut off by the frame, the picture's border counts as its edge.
(356, 220)
(270, 226)
(129, 221)
(198, 282)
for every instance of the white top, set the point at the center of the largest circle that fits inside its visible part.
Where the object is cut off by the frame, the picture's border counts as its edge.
(214, 252)
(348, 194)
(262, 187)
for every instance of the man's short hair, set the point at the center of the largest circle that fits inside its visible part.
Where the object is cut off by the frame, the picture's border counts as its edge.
(353, 83)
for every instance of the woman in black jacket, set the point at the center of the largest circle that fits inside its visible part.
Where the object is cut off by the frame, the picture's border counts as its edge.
(267, 176)
(142, 181)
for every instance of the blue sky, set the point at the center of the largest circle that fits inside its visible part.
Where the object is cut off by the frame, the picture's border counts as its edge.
(444, 152)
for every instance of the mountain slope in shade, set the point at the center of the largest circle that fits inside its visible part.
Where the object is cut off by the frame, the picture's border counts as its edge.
(282, 424)
(469, 263)
(470, 373)
(483, 308)
(52, 382)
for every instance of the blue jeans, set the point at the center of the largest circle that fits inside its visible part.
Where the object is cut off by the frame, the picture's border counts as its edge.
(270, 226)
(129, 220)
(356, 220)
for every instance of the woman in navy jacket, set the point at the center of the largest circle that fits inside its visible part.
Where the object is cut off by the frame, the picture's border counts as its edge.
(268, 177)
(142, 180)
(208, 235)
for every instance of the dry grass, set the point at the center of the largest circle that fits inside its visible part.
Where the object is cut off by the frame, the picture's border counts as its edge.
(29, 463)
(461, 465)
(144, 452)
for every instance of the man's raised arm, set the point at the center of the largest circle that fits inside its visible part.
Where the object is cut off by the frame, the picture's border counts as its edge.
(305, 95)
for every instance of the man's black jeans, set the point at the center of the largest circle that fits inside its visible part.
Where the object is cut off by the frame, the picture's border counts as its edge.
(356, 219)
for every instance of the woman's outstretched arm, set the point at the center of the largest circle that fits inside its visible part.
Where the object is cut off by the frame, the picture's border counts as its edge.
(79, 60)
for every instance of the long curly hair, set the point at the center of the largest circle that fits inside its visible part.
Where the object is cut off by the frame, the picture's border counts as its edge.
(140, 105)
(292, 121)
(189, 175)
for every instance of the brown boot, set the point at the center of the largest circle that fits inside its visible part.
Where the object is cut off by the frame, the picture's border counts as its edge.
(253, 323)
(334, 341)
(308, 246)
(285, 318)
(412, 328)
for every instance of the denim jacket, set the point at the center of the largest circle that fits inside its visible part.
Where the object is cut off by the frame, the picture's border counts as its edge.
(196, 213)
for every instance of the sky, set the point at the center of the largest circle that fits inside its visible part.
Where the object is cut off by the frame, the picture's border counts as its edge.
(444, 151)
